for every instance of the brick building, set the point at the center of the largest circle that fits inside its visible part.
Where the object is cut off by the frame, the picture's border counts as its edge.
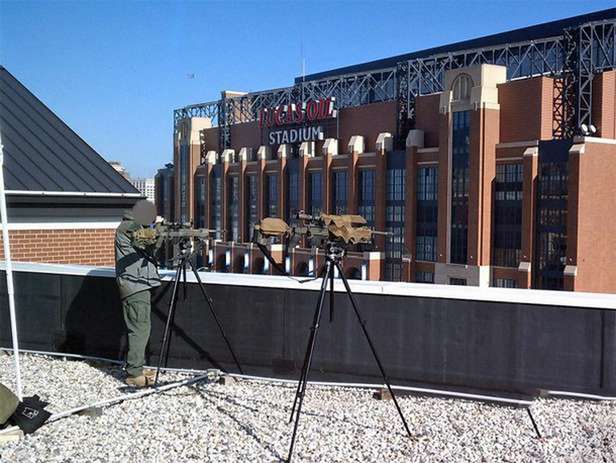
(491, 161)
(64, 200)
(164, 192)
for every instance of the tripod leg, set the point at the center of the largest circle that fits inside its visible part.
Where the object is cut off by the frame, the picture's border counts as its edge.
(211, 307)
(372, 348)
(184, 282)
(164, 346)
(534, 423)
(306, 369)
(312, 332)
(331, 296)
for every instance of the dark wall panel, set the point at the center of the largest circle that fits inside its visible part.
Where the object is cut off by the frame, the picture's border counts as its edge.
(499, 346)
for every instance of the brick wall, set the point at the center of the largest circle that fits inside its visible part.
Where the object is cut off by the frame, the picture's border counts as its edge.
(427, 118)
(526, 109)
(591, 228)
(79, 246)
(604, 103)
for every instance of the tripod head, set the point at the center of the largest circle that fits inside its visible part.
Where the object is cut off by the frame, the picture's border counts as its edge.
(182, 236)
(322, 231)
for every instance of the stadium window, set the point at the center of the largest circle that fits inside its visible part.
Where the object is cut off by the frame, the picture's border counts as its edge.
(271, 195)
(505, 283)
(292, 191)
(426, 214)
(394, 223)
(200, 186)
(461, 88)
(251, 199)
(365, 206)
(316, 193)
(183, 174)
(424, 277)
(339, 192)
(233, 225)
(216, 201)
(507, 237)
(459, 187)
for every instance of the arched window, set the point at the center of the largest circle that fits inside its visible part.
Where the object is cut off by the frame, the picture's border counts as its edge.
(461, 88)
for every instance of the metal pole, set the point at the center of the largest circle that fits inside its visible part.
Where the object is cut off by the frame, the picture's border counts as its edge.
(9, 274)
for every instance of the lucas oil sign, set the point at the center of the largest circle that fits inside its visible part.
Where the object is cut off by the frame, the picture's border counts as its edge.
(296, 123)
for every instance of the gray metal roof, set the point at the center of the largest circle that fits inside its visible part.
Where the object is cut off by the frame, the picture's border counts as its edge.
(43, 154)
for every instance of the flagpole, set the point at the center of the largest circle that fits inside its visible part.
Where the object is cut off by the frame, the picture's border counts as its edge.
(9, 273)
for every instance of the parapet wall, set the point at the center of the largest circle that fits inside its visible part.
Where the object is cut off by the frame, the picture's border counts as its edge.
(492, 338)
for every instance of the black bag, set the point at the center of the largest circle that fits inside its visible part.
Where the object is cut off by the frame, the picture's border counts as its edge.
(30, 414)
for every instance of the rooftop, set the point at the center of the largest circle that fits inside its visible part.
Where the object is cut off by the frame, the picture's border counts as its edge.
(248, 421)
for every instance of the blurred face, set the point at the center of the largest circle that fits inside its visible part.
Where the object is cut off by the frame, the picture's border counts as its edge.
(144, 212)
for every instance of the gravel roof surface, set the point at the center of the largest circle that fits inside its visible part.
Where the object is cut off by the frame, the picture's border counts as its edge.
(248, 421)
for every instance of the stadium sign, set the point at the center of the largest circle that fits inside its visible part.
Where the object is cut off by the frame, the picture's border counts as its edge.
(297, 122)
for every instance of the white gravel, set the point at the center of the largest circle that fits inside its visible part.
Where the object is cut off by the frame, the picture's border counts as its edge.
(248, 422)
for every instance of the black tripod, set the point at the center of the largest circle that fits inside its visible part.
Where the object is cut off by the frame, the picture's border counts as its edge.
(184, 262)
(334, 255)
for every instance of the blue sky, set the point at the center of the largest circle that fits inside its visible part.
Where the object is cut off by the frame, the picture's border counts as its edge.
(114, 71)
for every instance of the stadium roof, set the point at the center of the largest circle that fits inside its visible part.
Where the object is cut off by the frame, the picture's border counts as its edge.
(539, 31)
(43, 155)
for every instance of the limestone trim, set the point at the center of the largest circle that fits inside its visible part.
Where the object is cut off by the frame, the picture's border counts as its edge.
(517, 144)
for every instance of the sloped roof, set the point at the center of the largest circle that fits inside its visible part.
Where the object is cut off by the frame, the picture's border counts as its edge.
(43, 154)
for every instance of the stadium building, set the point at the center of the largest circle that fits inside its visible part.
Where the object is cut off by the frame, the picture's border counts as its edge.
(491, 161)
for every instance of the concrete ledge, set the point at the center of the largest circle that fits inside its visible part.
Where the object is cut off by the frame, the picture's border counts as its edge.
(515, 295)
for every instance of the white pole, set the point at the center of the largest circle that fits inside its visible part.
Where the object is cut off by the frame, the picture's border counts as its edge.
(9, 273)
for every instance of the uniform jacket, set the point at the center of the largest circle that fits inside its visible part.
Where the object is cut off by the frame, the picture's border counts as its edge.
(135, 269)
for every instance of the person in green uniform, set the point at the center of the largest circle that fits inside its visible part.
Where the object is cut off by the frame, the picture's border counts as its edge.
(136, 275)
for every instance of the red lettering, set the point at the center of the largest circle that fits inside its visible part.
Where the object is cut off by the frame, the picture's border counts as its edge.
(278, 116)
(312, 110)
(324, 108)
(299, 113)
(289, 114)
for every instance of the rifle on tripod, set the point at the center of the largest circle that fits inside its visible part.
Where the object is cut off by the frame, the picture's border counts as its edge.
(334, 234)
(188, 242)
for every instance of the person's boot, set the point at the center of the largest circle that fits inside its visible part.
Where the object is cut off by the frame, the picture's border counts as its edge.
(139, 381)
(150, 374)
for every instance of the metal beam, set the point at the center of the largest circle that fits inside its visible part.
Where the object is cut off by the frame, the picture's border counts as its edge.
(572, 58)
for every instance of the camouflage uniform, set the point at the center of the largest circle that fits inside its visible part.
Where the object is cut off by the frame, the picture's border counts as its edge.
(136, 275)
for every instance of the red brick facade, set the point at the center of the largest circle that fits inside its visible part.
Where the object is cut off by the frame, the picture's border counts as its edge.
(79, 246)
(509, 122)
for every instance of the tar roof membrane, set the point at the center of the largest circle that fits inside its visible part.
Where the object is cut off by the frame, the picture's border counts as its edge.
(43, 154)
